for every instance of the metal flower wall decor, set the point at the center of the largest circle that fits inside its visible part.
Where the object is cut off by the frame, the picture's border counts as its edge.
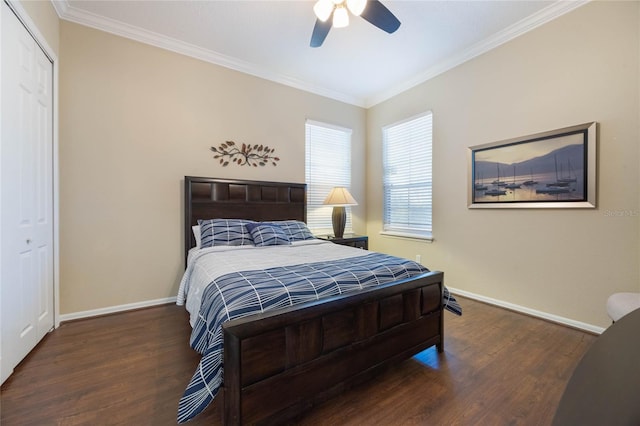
(244, 155)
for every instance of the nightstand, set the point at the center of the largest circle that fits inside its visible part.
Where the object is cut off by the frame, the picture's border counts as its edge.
(352, 240)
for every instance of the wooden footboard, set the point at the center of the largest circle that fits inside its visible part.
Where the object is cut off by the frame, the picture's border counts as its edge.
(278, 365)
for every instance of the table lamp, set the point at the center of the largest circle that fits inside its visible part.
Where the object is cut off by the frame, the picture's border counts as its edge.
(339, 197)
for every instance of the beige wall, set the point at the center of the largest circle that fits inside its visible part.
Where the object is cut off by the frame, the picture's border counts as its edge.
(134, 120)
(579, 68)
(46, 20)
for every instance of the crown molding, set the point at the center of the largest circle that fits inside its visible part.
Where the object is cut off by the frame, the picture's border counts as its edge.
(73, 14)
(112, 26)
(60, 7)
(540, 18)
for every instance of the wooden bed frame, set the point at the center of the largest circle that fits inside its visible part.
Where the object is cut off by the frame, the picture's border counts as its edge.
(279, 364)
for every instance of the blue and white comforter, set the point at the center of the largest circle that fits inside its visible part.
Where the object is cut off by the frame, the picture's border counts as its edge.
(232, 282)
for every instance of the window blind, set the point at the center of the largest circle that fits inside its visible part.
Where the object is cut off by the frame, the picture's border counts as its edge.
(328, 164)
(407, 186)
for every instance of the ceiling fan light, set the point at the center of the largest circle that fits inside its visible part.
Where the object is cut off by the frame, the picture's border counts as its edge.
(356, 6)
(323, 9)
(340, 17)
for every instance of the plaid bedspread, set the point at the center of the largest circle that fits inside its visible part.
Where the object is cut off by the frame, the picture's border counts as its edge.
(239, 294)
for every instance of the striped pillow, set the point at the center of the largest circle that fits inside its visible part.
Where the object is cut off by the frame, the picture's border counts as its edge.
(295, 230)
(267, 234)
(224, 232)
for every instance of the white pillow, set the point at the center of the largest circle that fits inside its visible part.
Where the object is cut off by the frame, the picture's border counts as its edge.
(196, 234)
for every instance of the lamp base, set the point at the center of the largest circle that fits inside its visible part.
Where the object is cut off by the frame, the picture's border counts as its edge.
(339, 220)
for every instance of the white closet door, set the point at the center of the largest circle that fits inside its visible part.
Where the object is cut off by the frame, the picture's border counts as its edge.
(27, 193)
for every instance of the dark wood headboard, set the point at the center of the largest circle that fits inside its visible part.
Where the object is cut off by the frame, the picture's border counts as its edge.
(212, 198)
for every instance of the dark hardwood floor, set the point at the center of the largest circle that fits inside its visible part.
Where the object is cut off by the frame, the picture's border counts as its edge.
(498, 368)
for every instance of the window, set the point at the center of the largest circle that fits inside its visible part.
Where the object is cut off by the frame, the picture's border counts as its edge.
(407, 177)
(328, 164)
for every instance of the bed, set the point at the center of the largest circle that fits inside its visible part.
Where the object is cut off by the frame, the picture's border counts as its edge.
(286, 358)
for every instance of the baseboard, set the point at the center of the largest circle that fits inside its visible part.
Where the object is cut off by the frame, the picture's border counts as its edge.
(507, 305)
(534, 313)
(115, 309)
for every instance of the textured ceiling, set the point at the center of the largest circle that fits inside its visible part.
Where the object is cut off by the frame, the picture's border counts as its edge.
(359, 64)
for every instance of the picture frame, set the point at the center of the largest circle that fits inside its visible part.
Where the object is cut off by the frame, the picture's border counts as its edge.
(554, 169)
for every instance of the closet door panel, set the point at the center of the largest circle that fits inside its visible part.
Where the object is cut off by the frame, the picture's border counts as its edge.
(26, 284)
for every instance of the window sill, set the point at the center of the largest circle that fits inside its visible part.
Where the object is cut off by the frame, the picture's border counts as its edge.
(428, 238)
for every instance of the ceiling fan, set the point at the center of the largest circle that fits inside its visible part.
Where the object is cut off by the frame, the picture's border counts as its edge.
(371, 10)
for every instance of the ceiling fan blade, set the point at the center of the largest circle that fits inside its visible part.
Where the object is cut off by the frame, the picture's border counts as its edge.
(320, 31)
(376, 13)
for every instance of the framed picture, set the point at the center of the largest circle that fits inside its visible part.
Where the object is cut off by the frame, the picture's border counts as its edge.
(555, 169)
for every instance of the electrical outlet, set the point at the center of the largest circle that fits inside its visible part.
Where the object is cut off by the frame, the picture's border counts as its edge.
(418, 258)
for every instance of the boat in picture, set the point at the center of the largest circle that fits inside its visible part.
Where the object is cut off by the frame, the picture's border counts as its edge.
(513, 185)
(559, 183)
(495, 192)
(557, 187)
(530, 182)
(480, 186)
(553, 190)
(498, 183)
(569, 178)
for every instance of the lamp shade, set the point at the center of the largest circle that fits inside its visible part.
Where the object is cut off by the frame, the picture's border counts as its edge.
(323, 9)
(356, 6)
(340, 17)
(340, 196)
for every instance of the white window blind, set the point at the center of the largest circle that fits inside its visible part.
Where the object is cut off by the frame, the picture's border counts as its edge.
(407, 177)
(328, 164)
